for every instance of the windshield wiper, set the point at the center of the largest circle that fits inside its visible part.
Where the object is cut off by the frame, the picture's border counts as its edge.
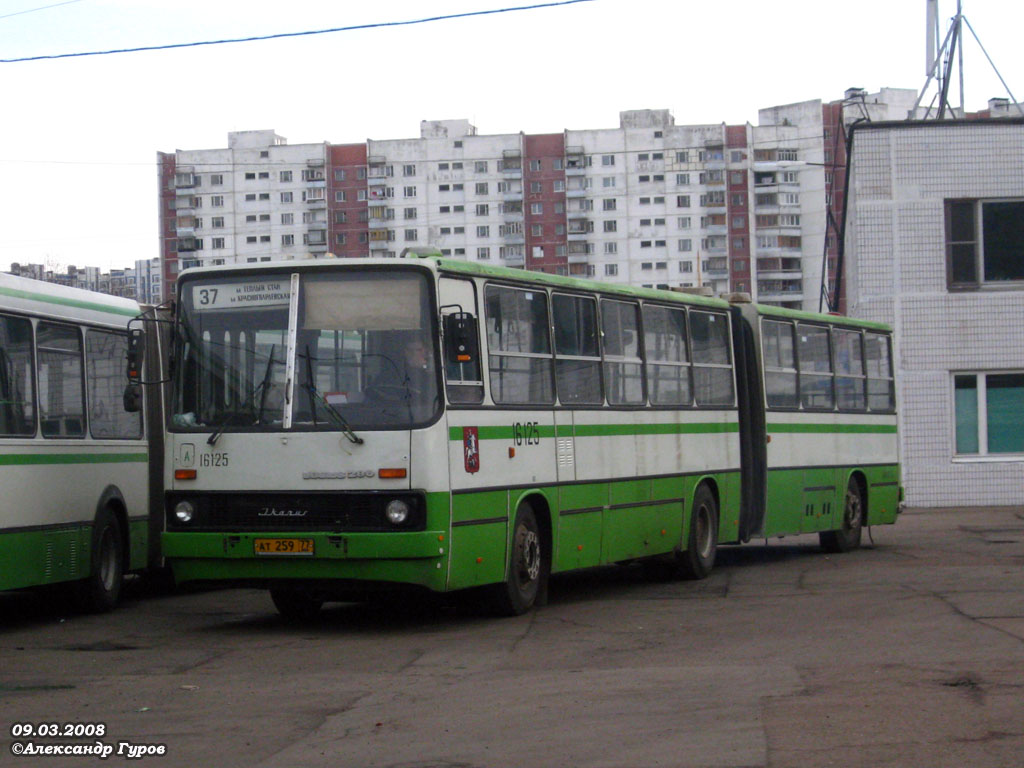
(265, 384)
(262, 389)
(315, 397)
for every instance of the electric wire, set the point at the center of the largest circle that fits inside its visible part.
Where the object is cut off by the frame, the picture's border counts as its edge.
(306, 33)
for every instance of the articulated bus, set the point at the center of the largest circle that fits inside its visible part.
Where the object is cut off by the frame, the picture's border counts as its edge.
(77, 474)
(341, 427)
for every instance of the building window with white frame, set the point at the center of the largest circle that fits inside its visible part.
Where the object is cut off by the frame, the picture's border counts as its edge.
(989, 414)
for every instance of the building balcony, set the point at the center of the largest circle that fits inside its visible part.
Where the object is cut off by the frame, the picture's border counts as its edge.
(513, 216)
(317, 247)
(184, 179)
(574, 192)
(376, 179)
(378, 245)
(512, 172)
(373, 160)
(579, 258)
(574, 170)
(515, 259)
(716, 229)
(512, 195)
(514, 238)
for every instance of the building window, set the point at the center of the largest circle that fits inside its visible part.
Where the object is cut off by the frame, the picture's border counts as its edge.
(483, 231)
(983, 242)
(611, 270)
(287, 197)
(611, 226)
(287, 240)
(682, 201)
(481, 188)
(989, 413)
(483, 254)
(611, 247)
(480, 166)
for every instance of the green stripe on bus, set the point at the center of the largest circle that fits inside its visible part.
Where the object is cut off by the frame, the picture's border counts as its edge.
(23, 459)
(848, 429)
(602, 430)
(14, 293)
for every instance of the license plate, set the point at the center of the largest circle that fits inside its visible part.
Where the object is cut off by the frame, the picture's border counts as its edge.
(283, 546)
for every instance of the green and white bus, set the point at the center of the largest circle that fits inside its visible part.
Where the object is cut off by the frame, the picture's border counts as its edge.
(344, 426)
(75, 466)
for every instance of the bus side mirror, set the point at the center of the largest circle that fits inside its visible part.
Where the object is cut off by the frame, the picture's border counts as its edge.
(133, 361)
(461, 338)
(133, 398)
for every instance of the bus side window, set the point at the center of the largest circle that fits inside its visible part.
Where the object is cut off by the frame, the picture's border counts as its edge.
(17, 408)
(815, 363)
(712, 363)
(462, 358)
(778, 355)
(577, 357)
(61, 385)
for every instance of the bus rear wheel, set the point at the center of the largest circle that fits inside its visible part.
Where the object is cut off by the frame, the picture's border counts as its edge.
(527, 568)
(295, 603)
(848, 536)
(100, 591)
(698, 559)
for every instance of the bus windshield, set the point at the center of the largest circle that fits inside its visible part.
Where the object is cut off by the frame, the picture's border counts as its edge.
(349, 349)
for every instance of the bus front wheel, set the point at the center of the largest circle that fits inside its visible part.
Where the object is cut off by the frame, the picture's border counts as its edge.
(101, 589)
(847, 537)
(698, 559)
(527, 568)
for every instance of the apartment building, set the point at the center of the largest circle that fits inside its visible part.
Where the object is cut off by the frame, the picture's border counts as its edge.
(649, 203)
(933, 244)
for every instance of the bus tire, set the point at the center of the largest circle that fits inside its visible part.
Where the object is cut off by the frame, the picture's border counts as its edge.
(698, 559)
(848, 536)
(527, 568)
(100, 591)
(295, 603)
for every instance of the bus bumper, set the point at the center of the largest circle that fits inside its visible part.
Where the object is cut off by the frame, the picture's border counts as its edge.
(403, 558)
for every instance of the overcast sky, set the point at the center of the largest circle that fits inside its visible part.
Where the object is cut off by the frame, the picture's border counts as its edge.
(78, 180)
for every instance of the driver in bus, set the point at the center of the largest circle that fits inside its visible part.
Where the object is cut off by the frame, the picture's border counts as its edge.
(414, 382)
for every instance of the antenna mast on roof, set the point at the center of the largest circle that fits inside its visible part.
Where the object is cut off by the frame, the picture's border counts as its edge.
(939, 64)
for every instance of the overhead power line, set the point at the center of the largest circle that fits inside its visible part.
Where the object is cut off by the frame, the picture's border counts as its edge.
(42, 8)
(307, 33)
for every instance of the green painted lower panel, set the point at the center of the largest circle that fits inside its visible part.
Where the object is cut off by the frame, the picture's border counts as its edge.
(426, 573)
(413, 558)
(49, 556)
(810, 500)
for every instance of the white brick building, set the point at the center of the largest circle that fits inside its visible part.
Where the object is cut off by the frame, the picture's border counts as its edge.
(935, 246)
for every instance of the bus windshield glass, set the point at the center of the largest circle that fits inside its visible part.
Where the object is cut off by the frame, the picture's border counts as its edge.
(340, 350)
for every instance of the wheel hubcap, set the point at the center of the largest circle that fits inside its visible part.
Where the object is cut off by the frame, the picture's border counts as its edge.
(852, 520)
(528, 551)
(703, 523)
(108, 561)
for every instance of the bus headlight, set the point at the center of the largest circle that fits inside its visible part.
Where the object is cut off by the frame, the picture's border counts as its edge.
(397, 511)
(184, 511)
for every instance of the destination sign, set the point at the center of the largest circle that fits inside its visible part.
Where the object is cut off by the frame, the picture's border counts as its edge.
(257, 293)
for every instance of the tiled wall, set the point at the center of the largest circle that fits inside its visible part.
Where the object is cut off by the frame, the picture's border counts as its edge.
(895, 245)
